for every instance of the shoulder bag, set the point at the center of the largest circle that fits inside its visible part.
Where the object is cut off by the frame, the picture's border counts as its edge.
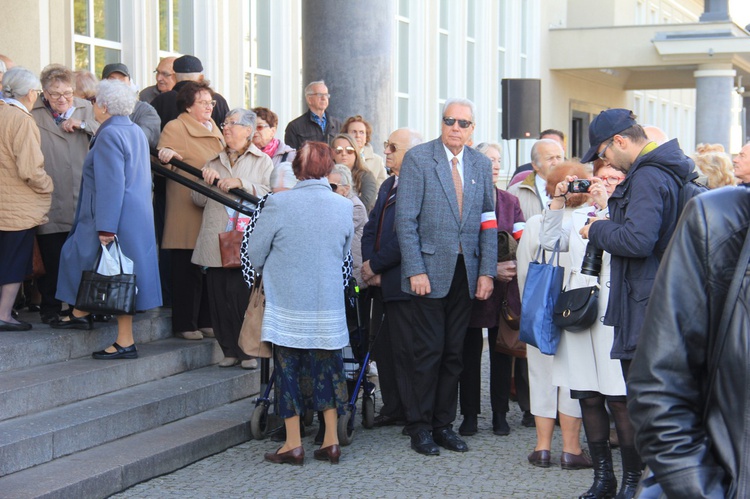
(229, 246)
(250, 334)
(541, 291)
(577, 309)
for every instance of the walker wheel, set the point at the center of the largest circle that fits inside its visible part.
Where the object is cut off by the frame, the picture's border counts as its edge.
(368, 412)
(259, 421)
(345, 428)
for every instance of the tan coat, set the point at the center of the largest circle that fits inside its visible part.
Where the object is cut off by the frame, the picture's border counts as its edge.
(25, 188)
(254, 168)
(64, 154)
(528, 197)
(375, 164)
(196, 144)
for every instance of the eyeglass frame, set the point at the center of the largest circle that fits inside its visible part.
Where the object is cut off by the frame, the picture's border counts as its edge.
(340, 150)
(211, 103)
(163, 73)
(230, 124)
(606, 179)
(56, 95)
(602, 155)
(319, 94)
(390, 147)
(461, 123)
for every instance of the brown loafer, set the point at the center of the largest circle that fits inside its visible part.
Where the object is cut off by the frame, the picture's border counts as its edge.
(332, 453)
(295, 456)
(575, 462)
(540, 458)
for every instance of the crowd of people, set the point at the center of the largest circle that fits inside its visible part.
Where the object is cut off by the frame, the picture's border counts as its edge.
(438, 250)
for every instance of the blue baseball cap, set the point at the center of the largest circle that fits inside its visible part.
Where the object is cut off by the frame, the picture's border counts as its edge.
(608, 124)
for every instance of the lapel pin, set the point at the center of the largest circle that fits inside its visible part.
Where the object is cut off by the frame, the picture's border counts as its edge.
(473, 181)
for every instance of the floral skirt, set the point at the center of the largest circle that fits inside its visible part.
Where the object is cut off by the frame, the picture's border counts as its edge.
(309, 380)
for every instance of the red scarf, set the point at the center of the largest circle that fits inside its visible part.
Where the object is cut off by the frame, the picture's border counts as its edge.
(271, 147)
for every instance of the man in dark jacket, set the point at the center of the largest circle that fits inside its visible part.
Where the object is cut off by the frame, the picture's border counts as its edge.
(382, 270)
(691, 427)
(643, 213)
(316, 124)
(186, 68)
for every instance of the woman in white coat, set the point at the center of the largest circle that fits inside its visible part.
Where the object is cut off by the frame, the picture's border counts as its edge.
(582, 362)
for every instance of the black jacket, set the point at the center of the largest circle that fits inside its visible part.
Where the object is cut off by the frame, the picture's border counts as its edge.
(643, 215)
(166, 105)
(303, 129)
(385, 259)
(668, 376)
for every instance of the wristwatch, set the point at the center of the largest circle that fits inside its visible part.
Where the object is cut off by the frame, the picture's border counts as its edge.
(83, 125)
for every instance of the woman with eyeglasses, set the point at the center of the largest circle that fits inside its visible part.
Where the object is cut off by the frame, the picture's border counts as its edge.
(25, 191)
(361, 130)
(346, 152)
(240, 165)
(582, 363)
(66, 125)
(265, 137)
(193, 137)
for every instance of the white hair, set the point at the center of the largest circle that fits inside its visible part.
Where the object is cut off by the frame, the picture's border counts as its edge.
(283, 176)
(345, 172)
(3, 68)
(117, 96)
(18, 82)
(461, 102)
(308, 88)
(245, 117)
(486, 146)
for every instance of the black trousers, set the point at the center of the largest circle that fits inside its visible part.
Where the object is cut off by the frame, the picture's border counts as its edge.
(50, 247)
(190, 309)
(439, 330)
(228, 296)
(160, 206)
(401, 334)
(501, 372)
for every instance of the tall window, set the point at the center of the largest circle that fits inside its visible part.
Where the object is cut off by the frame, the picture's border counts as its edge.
(470, 47)
(176, 27)
(402, 66)
(96, 34)
(501, 48)
(525, 35)
(443, 34)
(258, 50)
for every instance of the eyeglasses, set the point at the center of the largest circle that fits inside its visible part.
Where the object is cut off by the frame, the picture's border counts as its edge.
(390, 147)
(163, 74)
(229, 124)
(612, 180)
(206, 103)
(461, 123)
(604, 151)
(57, 95)
(334, 186)
(318, 94)
(261, 126)
(341, 150)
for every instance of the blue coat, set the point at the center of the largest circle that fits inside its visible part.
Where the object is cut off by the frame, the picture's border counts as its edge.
(115, 197)
(386, 258)
(428, 224)
(643, 215)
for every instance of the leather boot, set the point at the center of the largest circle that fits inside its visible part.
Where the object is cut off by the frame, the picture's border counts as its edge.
(632, 467)
(605, 483)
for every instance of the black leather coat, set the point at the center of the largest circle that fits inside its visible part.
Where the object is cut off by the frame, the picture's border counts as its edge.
(668, 378)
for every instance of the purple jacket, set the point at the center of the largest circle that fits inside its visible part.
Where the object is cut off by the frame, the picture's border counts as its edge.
(485, 313)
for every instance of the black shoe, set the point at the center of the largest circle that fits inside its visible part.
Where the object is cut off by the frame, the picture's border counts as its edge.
(500, 425)
(468, 425)
(422, 442)
(101, 318)
(447, 438)
(72, 322)
(120, 353)
(528, 420)
(384, 420)
(12, 326)
(48, 317)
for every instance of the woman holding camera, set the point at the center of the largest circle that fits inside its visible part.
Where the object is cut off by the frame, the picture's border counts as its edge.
(582, 362)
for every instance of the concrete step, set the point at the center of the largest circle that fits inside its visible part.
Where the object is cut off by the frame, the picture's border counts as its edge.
(35, 389)
(104, 470)
(39, 438)
(43, 345)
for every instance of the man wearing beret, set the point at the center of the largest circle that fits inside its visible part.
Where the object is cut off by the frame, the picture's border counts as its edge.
(186, 68)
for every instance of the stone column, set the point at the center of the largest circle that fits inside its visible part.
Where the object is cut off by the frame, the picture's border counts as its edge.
(347, 43)
(714, 84)
(715, 10)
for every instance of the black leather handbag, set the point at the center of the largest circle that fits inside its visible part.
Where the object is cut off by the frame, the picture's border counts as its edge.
(577, 309)
(106, 294)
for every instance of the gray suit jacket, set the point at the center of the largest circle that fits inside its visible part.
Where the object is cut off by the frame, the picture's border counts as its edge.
(427, 222)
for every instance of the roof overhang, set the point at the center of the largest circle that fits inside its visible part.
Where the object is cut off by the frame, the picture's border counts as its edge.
(649, 56)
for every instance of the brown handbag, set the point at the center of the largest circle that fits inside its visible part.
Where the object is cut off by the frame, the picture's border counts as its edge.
(508, 341)
(37, 264)
(250, 333)
(229, 246)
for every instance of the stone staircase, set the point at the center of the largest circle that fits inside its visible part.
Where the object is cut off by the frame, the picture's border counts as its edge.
(75, 427)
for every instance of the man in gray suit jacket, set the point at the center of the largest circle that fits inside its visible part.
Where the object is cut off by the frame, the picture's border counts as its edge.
(445, 221)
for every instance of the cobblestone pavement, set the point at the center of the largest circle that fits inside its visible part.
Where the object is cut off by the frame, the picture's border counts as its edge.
(380, 463)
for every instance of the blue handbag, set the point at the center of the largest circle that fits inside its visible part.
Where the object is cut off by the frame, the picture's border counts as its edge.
(544, 283)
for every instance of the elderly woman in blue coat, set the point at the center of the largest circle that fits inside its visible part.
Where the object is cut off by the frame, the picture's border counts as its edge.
(115, 200)
(305, 315)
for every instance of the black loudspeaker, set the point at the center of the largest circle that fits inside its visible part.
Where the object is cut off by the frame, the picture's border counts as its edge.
(521, 108)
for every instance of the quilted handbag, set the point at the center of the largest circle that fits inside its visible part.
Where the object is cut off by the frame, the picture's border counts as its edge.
(543, 287)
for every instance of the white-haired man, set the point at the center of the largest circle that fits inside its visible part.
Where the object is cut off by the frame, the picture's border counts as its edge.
(316, 124)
